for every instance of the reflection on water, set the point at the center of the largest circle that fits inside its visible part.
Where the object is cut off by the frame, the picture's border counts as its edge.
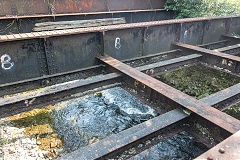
(90, 118)
(179, 147)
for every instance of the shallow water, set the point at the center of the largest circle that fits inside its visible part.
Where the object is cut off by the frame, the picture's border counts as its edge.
(179, 147)
(90, 118)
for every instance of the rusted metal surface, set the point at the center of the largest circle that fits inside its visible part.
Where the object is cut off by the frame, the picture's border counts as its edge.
(71, 48)
(55, 89)
(231, 37)
(213, 57)
(47, 34)
(226, 150)
(224, 49)
(71, 6)
(234, 49)
(221, 96)
(116, 5)
(25, 24)
(207, 51)
(78, 83)
(23, 7)
(215, 116)
(216, 45)
(169, 62)
(34, 7)
(117, 141)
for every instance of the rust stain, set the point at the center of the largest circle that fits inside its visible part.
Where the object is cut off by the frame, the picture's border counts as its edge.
(215, 116)
(87, 4)
(134, 138)
(106, 143)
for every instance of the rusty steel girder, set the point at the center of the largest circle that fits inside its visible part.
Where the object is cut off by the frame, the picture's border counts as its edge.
(213, 115)
(48, 7)
(226, 150)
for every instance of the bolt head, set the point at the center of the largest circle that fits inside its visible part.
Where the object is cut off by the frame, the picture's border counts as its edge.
(210, 158)
(221, 150)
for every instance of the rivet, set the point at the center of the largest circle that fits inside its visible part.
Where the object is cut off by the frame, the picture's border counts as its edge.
(221, 150)
(209, 158)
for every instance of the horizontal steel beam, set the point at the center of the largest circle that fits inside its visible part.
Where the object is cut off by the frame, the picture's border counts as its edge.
(213, 115)
(47, 34)
(50, 76)
(231, 37)
(224, 49)
(226, 150)
(79, 83)
(215, 45)
(28, 7)
(78, 14)
(221, 96)
(169, 62)
(207, 51)
(117, 141)
(55, 89)
(213, 57)
(233, 50)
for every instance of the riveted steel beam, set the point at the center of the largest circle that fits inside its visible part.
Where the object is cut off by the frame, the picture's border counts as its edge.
(214, 57)
(213, 115)
(227, 149)
(117, 141)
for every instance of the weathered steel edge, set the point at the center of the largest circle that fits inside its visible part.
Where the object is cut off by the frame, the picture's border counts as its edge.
(221, 96)
(208, 51)
(79, 83)
(48, 34)
(83, 69)
(55, 89)
(231, 37)
(213, 115)
(49, 54)
(92, 67)
(168, 62)
(50, 76)
(211, 100)
(97, 150)
(228, 48)
(226, 150)
(77, 14)
(117, 141)
(213, 57)
(28, 7)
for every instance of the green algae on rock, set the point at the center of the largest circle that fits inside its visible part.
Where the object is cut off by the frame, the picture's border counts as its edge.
(199, 81)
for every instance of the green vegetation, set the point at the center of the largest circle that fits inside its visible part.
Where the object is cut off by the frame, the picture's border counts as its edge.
(37, 123)
(199, 81)
(3, 141)
(234, 111)
(200, 8)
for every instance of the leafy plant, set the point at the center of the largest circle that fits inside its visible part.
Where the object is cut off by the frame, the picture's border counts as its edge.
(3, 141)
(200, 8)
